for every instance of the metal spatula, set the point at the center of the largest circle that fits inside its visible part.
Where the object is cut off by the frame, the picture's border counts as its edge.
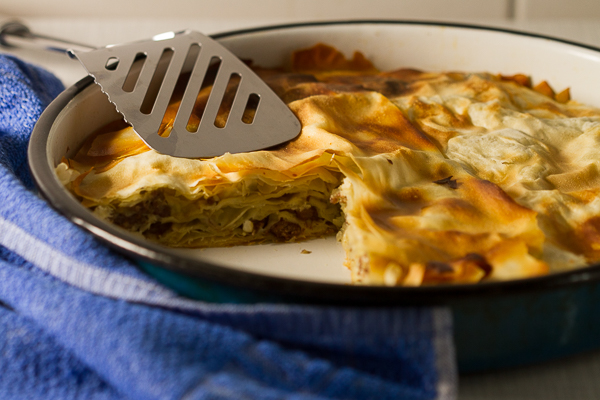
(142, 78)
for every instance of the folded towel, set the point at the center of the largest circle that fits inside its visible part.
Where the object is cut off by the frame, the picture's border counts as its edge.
(79, 321)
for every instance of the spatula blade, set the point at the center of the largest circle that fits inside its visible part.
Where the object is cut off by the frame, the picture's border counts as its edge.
(155, 77)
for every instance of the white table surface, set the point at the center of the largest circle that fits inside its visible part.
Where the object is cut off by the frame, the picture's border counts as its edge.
(577, 377)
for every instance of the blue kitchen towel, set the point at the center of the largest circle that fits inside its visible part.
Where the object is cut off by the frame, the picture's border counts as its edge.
(79, 321)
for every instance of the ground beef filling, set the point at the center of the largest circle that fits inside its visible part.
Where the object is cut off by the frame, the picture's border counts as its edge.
(143, 216)
(133, 218)
(286, 230)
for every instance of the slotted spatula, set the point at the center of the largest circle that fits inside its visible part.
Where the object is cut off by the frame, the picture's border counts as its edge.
(140, 79)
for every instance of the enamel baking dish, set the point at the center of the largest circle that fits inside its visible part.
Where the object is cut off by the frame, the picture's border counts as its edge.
(496, 324)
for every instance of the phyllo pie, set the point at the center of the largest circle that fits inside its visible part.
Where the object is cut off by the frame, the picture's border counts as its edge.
(426, 177)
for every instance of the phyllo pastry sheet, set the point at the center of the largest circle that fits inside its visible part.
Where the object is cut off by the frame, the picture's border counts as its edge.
(426, 177)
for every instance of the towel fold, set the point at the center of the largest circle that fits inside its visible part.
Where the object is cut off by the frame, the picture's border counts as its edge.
(80, 321)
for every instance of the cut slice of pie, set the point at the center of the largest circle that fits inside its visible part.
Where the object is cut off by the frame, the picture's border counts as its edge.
(427, 178)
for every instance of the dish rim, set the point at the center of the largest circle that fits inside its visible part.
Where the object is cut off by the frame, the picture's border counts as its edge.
(288, 288)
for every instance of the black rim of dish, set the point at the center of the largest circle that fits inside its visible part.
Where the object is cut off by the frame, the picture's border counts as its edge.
(306, 291)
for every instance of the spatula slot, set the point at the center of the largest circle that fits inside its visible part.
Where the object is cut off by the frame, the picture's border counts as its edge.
(203, 94)
(250, 109)
(112, 63)
(156, 81)
(182, 82)
(134, 72)
(227, 102)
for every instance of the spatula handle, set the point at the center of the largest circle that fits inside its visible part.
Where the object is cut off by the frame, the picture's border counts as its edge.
(17, 35)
